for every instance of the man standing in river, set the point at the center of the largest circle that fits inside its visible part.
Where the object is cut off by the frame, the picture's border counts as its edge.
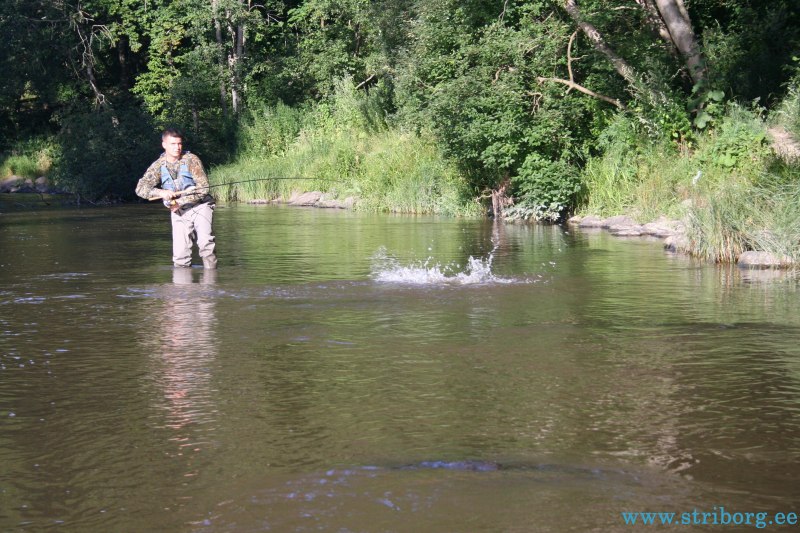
(178, 178)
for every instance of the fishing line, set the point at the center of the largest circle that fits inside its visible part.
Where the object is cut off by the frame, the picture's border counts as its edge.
(270, 179)
(191, 189)
(194, 189)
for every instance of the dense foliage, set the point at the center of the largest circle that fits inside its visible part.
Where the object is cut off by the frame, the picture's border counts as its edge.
(544, 104)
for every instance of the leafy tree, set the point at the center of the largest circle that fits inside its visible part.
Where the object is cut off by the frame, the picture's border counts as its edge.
(473, 75)
(333, 39)
(515, 92)
(33, 59)
(104, 152)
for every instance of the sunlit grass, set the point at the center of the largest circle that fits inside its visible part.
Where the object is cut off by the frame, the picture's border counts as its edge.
(729, 189)
(342, 147)
(32, 160)
(389, 171)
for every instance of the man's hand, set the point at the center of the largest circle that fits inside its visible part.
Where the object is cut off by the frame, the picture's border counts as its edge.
(165, 194)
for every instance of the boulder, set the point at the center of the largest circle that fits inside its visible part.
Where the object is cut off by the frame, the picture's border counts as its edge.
(664, 227)
(591, 222)
(25, 187)
(623, 226)
(329, 202)
(306, 198)
(752, 259)
(619, 222)
(10, 182)
(676, 243)
(627, 231)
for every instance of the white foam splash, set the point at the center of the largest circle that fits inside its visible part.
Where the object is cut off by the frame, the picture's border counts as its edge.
(387, 269)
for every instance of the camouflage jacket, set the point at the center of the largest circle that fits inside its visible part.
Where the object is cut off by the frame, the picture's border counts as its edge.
(152, 179)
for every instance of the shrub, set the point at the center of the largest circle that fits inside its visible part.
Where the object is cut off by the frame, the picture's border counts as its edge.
(547, 189)
(270, 130)
(739, 142)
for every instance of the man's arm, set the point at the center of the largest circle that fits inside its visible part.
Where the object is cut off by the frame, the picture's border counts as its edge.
(147, 187)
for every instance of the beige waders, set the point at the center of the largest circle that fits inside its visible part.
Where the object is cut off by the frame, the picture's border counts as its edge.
(188, 225)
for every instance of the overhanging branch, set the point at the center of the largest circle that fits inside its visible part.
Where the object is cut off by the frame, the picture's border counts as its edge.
(584, 90)
(571, 81)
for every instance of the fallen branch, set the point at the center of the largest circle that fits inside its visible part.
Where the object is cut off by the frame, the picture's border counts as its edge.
(571, 81)
(360, 85)
(569, 56)
(584, 90)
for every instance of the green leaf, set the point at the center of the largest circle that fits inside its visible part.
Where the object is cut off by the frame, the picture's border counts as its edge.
(727, 160)
(702, 120)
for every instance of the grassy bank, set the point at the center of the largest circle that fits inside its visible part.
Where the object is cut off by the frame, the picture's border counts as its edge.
(729, 187)
(389, 171)
(344, 148)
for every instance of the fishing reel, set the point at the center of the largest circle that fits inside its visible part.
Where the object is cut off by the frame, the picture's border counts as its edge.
(173, 203)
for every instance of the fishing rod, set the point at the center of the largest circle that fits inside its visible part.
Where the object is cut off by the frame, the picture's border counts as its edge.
(190, 190)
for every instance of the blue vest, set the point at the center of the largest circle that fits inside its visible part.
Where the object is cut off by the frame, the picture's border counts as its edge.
(184, 181)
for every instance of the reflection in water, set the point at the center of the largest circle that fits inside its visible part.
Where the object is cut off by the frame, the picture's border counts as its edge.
(183, 353)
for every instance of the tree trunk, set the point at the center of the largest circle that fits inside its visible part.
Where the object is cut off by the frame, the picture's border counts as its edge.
(86, 35)
(195, 119)
(620, 65)
(656, 22)
(122, 56)
(238, 55)
(500, 198)
(237, 45)
(218, 34)
(676, 18)
(650, 94)
(99, 97)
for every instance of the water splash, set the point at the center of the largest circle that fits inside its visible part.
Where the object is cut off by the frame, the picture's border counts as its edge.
(388, 269)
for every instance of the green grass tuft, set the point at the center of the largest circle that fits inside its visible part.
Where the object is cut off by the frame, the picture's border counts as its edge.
(29, 160)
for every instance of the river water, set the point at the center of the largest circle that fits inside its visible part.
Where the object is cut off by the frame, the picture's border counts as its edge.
(356, 372)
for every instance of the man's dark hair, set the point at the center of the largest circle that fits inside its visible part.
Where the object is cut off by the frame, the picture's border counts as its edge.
(171, 132)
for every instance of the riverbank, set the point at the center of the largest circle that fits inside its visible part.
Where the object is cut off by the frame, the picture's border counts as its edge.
(672, 232)
(732, 194)
(19, 193)
(309, 199)
(676, 238)
(386, 171)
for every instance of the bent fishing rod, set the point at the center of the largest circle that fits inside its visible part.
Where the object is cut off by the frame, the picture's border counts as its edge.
(190, 190)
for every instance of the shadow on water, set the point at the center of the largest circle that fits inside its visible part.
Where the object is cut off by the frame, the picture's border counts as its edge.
(448, 496)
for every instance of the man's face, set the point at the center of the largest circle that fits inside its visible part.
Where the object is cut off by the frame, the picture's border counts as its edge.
(173, 147)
